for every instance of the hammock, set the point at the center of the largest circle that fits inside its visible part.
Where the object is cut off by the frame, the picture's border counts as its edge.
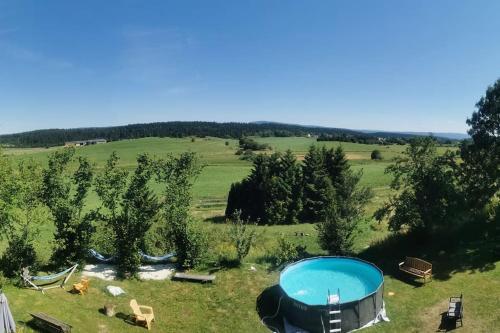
(100, 257)
(53, 277)
(146, 257)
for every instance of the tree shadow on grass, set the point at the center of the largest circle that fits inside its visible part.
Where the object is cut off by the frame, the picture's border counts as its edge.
(219, 219)
(473, 247)
(267, 305)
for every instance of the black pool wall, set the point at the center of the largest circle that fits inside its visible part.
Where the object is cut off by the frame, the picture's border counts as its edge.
(312, 317)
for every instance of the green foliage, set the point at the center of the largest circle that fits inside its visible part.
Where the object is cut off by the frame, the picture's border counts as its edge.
(20, 213)
(242, 235)
(376, 155)
(427, 195)
(272, 193)
(8, 190)
(190, 243)
(336, 232)
(20, 253)
(317, 185)
(480, 172)
(286, 251)
(250, 144)
(246, 155)
(65, 195)
(129, 210)
(177, 229)
(342, 214)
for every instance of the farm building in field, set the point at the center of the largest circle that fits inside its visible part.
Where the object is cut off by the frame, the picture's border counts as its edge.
(84, 142)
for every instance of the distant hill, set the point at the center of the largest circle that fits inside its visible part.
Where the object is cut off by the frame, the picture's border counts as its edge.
(57, 137)
(451, 136)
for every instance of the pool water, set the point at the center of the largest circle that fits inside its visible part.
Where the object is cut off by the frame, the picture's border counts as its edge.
(309, 281)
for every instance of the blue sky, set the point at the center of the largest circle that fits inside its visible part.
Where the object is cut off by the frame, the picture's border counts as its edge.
(388, 65)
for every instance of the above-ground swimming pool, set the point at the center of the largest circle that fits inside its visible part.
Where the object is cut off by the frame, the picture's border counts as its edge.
(306, 284)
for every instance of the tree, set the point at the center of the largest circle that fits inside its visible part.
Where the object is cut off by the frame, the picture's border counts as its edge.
(64, 194)
(272, 193)
(241, 235)
(343, 213)
(21, 213)
(376, 154)
(480, 170)
(178, 229)
(427, 194)
(109, 186)
(318, 190)
(138, 209)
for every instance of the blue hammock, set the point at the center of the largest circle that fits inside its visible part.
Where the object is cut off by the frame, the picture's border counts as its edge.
(51, 277)
(100, 257)
(165, 257)
(144, 256)
(29, 280)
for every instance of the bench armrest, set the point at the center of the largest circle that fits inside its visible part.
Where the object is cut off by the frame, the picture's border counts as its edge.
(428, 271)
(401, 263)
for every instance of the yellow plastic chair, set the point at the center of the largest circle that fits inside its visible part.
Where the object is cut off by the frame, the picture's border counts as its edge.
(82, 287)
(142, 313)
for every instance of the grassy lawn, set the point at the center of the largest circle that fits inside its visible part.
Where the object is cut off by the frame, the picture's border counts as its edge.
(464, 261)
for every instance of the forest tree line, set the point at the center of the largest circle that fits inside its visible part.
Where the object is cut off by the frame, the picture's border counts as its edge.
(180, 129)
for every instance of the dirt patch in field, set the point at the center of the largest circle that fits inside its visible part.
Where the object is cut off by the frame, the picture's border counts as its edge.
(355, 156)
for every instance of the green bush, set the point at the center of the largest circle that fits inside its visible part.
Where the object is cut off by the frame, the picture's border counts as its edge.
(287, 251)
(191, 244)
(376, 155)
(20, 253)
(241, 236)
(3, 281)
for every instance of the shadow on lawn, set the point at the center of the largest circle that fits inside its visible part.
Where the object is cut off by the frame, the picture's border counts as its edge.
(473, 247)
(447, 324)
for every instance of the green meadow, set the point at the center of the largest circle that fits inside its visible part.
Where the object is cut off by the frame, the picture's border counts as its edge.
(464, 261)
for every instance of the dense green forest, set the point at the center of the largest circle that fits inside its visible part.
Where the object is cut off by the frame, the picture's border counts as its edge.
(178, 129)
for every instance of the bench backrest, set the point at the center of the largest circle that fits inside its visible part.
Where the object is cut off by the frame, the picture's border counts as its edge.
(417, 263)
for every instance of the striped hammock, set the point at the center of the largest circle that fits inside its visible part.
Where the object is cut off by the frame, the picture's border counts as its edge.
(100, 257)
(53, 276)
(149, 258)
(144, 256)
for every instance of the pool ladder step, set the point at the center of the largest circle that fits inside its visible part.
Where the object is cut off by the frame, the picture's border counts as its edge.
(334, 312)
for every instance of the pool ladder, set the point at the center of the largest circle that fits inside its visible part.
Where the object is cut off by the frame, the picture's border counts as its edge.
(334, 321)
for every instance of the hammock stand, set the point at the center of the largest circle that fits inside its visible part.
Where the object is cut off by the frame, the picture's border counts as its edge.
(28, 279)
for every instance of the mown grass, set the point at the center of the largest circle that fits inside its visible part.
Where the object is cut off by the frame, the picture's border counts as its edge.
(468, 263)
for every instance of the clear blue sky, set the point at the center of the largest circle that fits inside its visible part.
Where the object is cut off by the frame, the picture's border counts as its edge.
(389, 65)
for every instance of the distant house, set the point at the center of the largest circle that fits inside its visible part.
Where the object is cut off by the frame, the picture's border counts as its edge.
(84, 142)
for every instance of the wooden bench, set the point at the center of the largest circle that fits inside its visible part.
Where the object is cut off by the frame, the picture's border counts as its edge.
(194, 277)
(416, 267)
(50, 324)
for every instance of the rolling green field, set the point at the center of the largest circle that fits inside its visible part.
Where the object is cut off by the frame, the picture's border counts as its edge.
(466, 263)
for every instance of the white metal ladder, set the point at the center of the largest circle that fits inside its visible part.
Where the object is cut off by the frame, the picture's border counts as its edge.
(334, 321)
